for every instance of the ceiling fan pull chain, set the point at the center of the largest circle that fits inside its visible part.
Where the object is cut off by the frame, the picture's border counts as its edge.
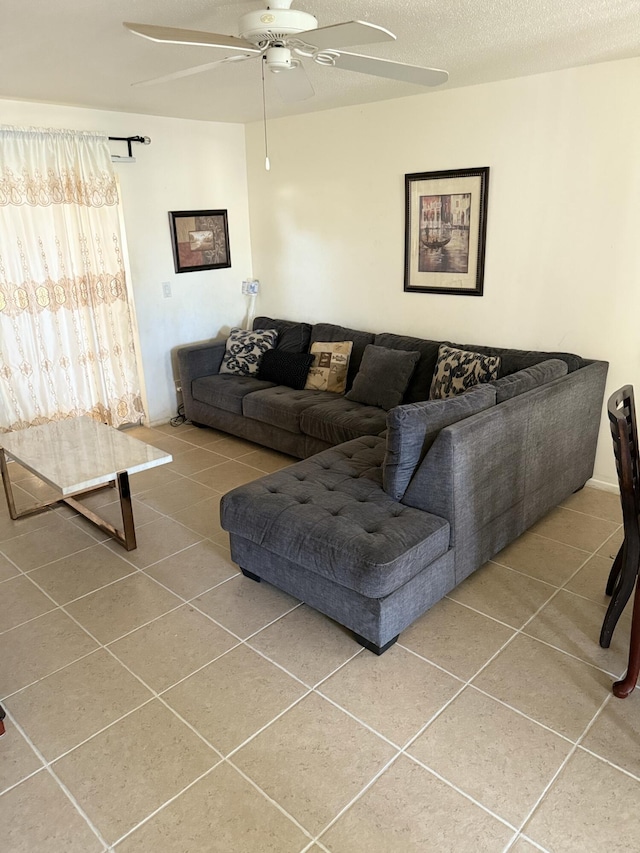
(267, 163)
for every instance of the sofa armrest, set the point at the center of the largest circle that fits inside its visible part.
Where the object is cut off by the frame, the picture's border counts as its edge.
(199, 360)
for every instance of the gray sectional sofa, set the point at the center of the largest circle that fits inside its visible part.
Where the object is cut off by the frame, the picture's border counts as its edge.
(389, 511)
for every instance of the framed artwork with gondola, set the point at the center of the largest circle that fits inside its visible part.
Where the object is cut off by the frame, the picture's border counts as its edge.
(446, 231)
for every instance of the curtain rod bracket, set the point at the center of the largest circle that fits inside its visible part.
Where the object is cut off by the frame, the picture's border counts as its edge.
(116, 158)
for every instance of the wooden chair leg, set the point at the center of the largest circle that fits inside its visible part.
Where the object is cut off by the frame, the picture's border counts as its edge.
(614, 574)
(623, 688)
(628, 573)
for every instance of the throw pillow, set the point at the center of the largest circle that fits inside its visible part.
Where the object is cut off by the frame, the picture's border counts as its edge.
(458, 370)
(330, 366)
(245, 349)
(383, 377)
(412, 429)
(285, 368)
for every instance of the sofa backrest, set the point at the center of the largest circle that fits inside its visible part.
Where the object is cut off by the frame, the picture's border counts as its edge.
(420, 382)
(532, 377)
(512, 360)
(292, 336)
(494, 474)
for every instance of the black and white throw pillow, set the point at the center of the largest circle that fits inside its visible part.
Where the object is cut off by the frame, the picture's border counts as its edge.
(457, 370)
(245, 349)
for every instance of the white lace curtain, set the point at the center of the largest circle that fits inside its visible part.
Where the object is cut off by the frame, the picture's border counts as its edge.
(66, 334)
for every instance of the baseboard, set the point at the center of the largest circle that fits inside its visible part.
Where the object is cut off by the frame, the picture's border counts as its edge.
(603, 486)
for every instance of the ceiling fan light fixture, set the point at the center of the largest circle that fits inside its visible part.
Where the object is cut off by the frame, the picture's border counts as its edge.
(278, 59)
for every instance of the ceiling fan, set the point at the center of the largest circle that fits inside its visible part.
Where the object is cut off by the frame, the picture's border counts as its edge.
(280, 35)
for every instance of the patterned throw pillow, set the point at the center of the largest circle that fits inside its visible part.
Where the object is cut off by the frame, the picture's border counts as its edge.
(245, 349)
(457, 370)
(330, 365)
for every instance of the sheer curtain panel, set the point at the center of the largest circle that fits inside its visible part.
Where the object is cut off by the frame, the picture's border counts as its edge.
(66, 333)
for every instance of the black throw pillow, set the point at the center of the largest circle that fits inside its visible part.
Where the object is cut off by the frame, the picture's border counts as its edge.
(285, 368)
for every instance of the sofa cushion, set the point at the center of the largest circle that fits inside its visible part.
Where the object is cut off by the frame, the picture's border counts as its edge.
(458, 370)
(329, 332)
(512, 360)
(330, 365)
(383, 376)
(339, 419)
(529, 378)
(420, 382)
(285, 368)
(330, 515)
(226, 390)
(292, 336)
(281, 406)
(412, 429)
(245, 349)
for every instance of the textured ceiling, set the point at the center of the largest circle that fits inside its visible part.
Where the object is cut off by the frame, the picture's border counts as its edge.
(77, 51)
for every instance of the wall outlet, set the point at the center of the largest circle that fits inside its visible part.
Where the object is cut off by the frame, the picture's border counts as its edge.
(166, 289)
(251, 287)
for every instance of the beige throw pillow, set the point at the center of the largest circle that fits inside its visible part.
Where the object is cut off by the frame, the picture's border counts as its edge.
(330, 364)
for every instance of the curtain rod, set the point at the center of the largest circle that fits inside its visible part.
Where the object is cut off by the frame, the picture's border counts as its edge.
(129, 139)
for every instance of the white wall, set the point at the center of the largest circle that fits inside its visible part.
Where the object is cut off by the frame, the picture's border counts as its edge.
(190, 165)
(562, 260)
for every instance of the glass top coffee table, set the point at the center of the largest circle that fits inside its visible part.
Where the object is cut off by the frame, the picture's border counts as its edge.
(76, 456)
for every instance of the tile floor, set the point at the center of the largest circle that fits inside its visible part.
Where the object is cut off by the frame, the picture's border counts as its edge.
(158, 700)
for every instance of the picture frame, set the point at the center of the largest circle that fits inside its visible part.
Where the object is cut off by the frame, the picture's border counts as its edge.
(446, 231)
(200, 240)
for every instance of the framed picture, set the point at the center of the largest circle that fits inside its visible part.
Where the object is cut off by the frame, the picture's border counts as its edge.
(200, 240)
(445, 231)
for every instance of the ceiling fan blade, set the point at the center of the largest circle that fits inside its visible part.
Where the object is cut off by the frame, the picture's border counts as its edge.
(392, 70)
(344, 35)
(195, 69)
(171, 35)
(293, 85)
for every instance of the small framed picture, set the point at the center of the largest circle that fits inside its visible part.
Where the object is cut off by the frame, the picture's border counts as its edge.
(446, 231)
(200, 240)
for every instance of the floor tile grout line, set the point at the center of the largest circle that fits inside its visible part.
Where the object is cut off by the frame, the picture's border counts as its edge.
(491, 561)
(521, 631)
(65, 790)
(590, 514)
(607, 672)
(361, 793)
(562, 766)
(236, 749)
(523, 714)
(534, 844)
(168, 802)
(459, 790)
(588, 556)
(53, 672)
(593, 552)
(270, 799)
(357, 719)
(609, 762)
